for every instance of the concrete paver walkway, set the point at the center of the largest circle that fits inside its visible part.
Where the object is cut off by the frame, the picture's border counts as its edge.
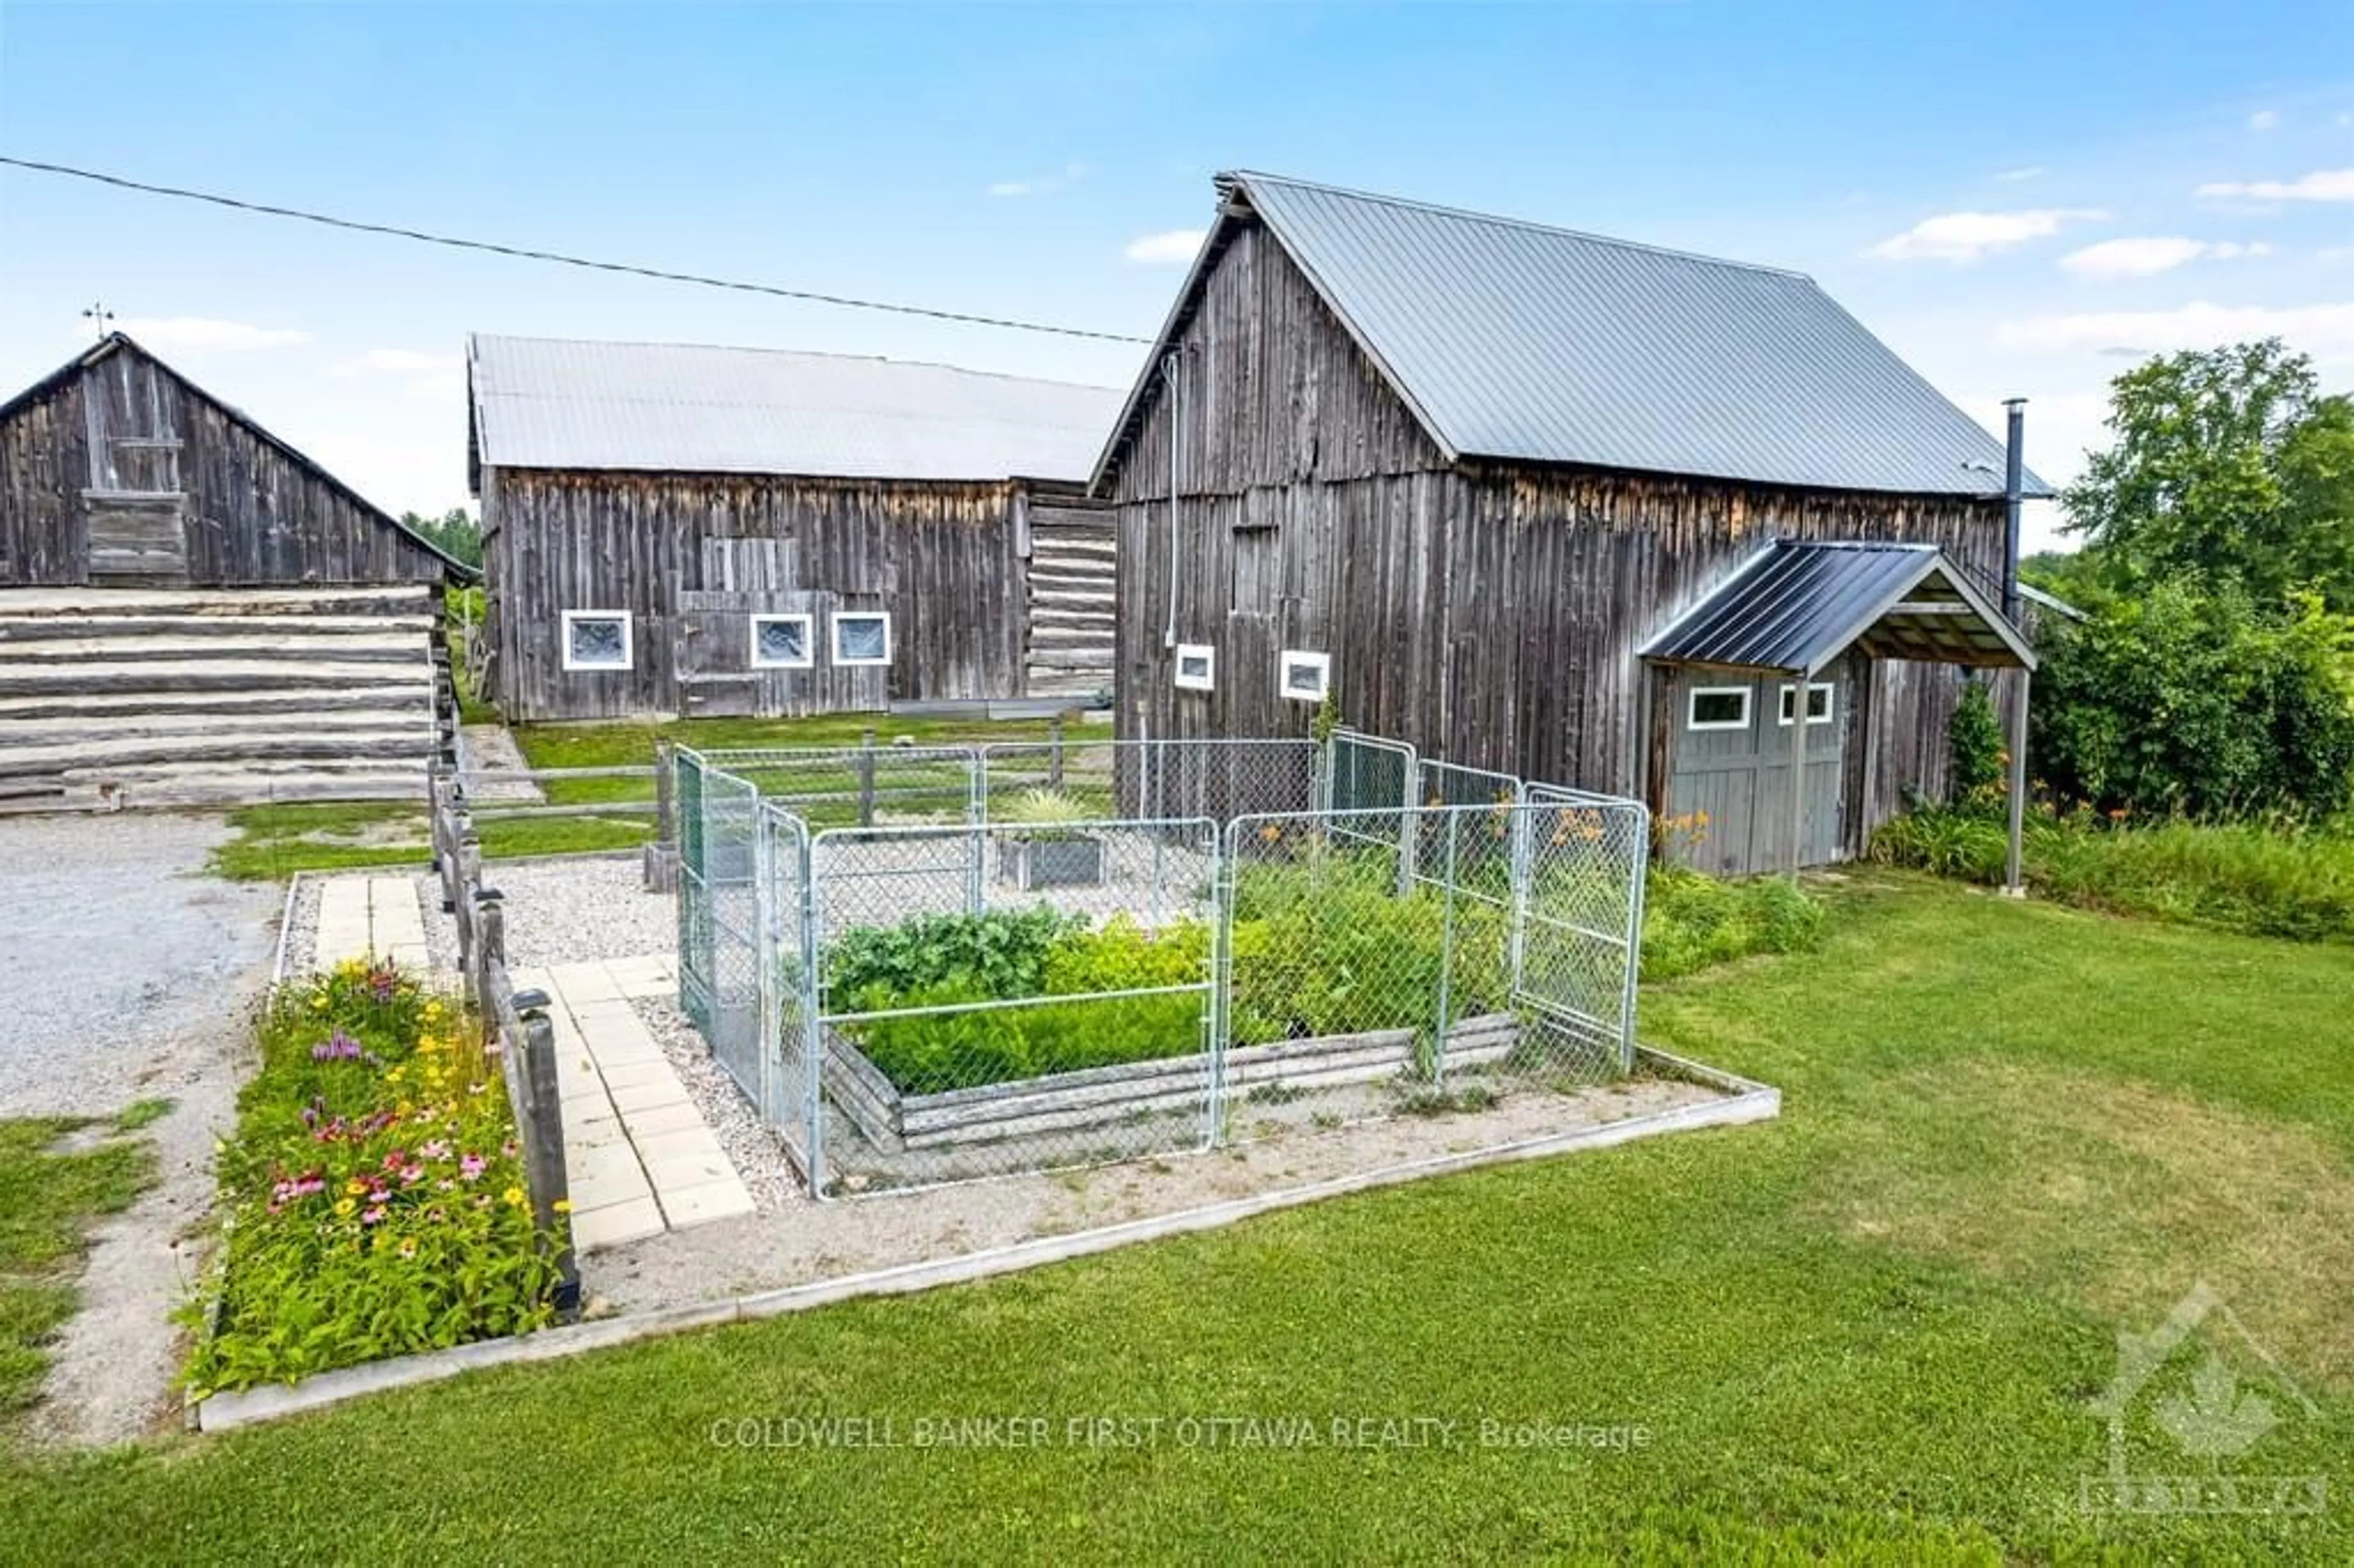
(639, 1155)
(370, 916)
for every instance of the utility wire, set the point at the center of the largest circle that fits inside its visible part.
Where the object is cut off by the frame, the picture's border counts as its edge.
(1007, 324)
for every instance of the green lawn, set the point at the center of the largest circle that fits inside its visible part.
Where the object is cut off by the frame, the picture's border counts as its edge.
(1869, 1330)
(275, 842)
(49, 1197)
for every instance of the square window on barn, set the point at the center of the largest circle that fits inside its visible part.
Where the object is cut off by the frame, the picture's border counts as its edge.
(864, 637)
(1305, 677)
(596, 639)
(1718, 707)
(783, 642)
(1197, 666)
(1818, 703)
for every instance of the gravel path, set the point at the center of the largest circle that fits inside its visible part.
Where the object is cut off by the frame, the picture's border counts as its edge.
(565, 910)
(124, 975)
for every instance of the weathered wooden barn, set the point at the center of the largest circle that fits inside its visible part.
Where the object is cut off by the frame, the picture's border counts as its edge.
(706, 531)
(192, 611)
(1469, 474)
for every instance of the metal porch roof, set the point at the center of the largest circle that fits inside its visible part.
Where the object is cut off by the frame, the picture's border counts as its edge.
(1796, 606)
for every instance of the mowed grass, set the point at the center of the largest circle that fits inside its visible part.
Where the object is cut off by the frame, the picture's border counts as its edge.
(274, 842)
(1871, 1330)
(49, 1197)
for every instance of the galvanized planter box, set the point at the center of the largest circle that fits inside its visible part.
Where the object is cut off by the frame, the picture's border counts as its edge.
(1063, 1103)
(1032, 864)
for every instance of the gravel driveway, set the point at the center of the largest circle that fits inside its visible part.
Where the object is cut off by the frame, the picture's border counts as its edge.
(120, 962)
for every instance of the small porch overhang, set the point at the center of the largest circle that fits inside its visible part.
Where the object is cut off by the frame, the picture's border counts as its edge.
(1796, 606)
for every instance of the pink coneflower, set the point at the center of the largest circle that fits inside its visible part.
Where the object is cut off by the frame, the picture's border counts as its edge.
(437, 1150)
(472, 1166)
(370, 1216)
(410, 1175)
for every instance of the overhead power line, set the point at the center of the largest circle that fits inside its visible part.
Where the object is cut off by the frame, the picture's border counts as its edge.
(525, 253)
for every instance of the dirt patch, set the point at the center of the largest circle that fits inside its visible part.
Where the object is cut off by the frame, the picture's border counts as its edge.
(2116, 1195)
(801, 1240)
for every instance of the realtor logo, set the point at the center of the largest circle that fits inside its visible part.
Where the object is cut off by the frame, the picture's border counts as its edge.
(2199, 1384)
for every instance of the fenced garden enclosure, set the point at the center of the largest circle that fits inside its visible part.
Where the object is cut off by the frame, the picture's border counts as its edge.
(925, 965)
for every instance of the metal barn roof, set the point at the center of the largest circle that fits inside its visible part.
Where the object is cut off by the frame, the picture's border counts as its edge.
(1513, 340)
(1796, 606)
(561, 404)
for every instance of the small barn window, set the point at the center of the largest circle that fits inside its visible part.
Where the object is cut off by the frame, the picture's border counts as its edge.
(1718, 707)
(1306, 677)
(783, 642)
(1197, 664)
(596, 639)
(862, 639)
(1818, 703)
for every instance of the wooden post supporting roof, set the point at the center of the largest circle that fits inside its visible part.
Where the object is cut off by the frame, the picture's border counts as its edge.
(2014, 884)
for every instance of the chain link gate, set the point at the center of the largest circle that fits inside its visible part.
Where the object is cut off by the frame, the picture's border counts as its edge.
(694, 987)
(1579, 929)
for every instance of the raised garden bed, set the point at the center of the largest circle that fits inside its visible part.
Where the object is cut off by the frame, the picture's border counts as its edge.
(1061, 1103)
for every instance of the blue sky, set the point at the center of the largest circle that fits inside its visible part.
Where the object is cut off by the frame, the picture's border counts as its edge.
(2019, 200)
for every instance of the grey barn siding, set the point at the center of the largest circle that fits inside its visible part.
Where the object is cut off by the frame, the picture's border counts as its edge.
(252, 512)
(691, 557)
(1488, 612)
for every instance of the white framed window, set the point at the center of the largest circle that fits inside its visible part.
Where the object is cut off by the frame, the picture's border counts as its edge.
(1197, 667)
(596, 639)
(861, 637)
(1717, 707)
(783, 643)
(1818, 703)
(1302, 677)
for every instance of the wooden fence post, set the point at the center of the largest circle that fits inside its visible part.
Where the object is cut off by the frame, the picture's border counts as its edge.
(866, 778)
(490, 946)
(540, 1117)
(660, 859)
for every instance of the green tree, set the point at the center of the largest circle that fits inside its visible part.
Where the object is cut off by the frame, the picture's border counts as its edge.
(2187, 702)
(455, 532)
(2229, 464)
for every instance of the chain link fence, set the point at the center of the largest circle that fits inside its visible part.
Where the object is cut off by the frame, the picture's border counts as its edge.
(1031, 984)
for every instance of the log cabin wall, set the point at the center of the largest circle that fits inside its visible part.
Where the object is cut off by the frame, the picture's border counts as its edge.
(1488, 613)
(691, 557)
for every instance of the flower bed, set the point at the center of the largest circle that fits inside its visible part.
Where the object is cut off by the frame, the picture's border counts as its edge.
(373, 1195)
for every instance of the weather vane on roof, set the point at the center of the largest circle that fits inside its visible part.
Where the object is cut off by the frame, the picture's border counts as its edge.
(100, 316)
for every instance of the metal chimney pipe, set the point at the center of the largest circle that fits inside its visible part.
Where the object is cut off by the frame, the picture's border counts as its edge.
(2014, 482)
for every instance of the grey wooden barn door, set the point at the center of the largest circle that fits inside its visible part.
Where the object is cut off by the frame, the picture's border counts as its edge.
(712, 651)
(1728, 798)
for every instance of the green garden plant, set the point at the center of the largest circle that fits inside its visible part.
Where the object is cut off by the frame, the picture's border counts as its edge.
(374, 1197)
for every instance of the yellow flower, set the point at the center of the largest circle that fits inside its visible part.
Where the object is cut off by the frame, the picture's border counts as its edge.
(344, 1206)
(512, 1197)
(354, 1186)
(562, 1206)
(393, 1074)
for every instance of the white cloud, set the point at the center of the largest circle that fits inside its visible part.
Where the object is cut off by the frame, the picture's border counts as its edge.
(2322, 185)
(2324, 329)
(202, 332)
(2144, 257)
(1969, 236)
(2264, 119)
(1175, 245)
(2012, 177)
(1040, 185)
(401, 361)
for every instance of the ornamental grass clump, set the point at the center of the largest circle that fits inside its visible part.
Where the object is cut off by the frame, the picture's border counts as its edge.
(373, 1194)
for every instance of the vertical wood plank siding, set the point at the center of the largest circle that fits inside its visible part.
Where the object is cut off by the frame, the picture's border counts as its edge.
(679, 551)
(1489, 613)
(252, 512)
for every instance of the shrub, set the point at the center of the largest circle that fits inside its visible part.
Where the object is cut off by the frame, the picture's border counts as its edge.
(2191, 703)
(1974, 745)
(374, 1195)
(1691, 921)
(2280, 879)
